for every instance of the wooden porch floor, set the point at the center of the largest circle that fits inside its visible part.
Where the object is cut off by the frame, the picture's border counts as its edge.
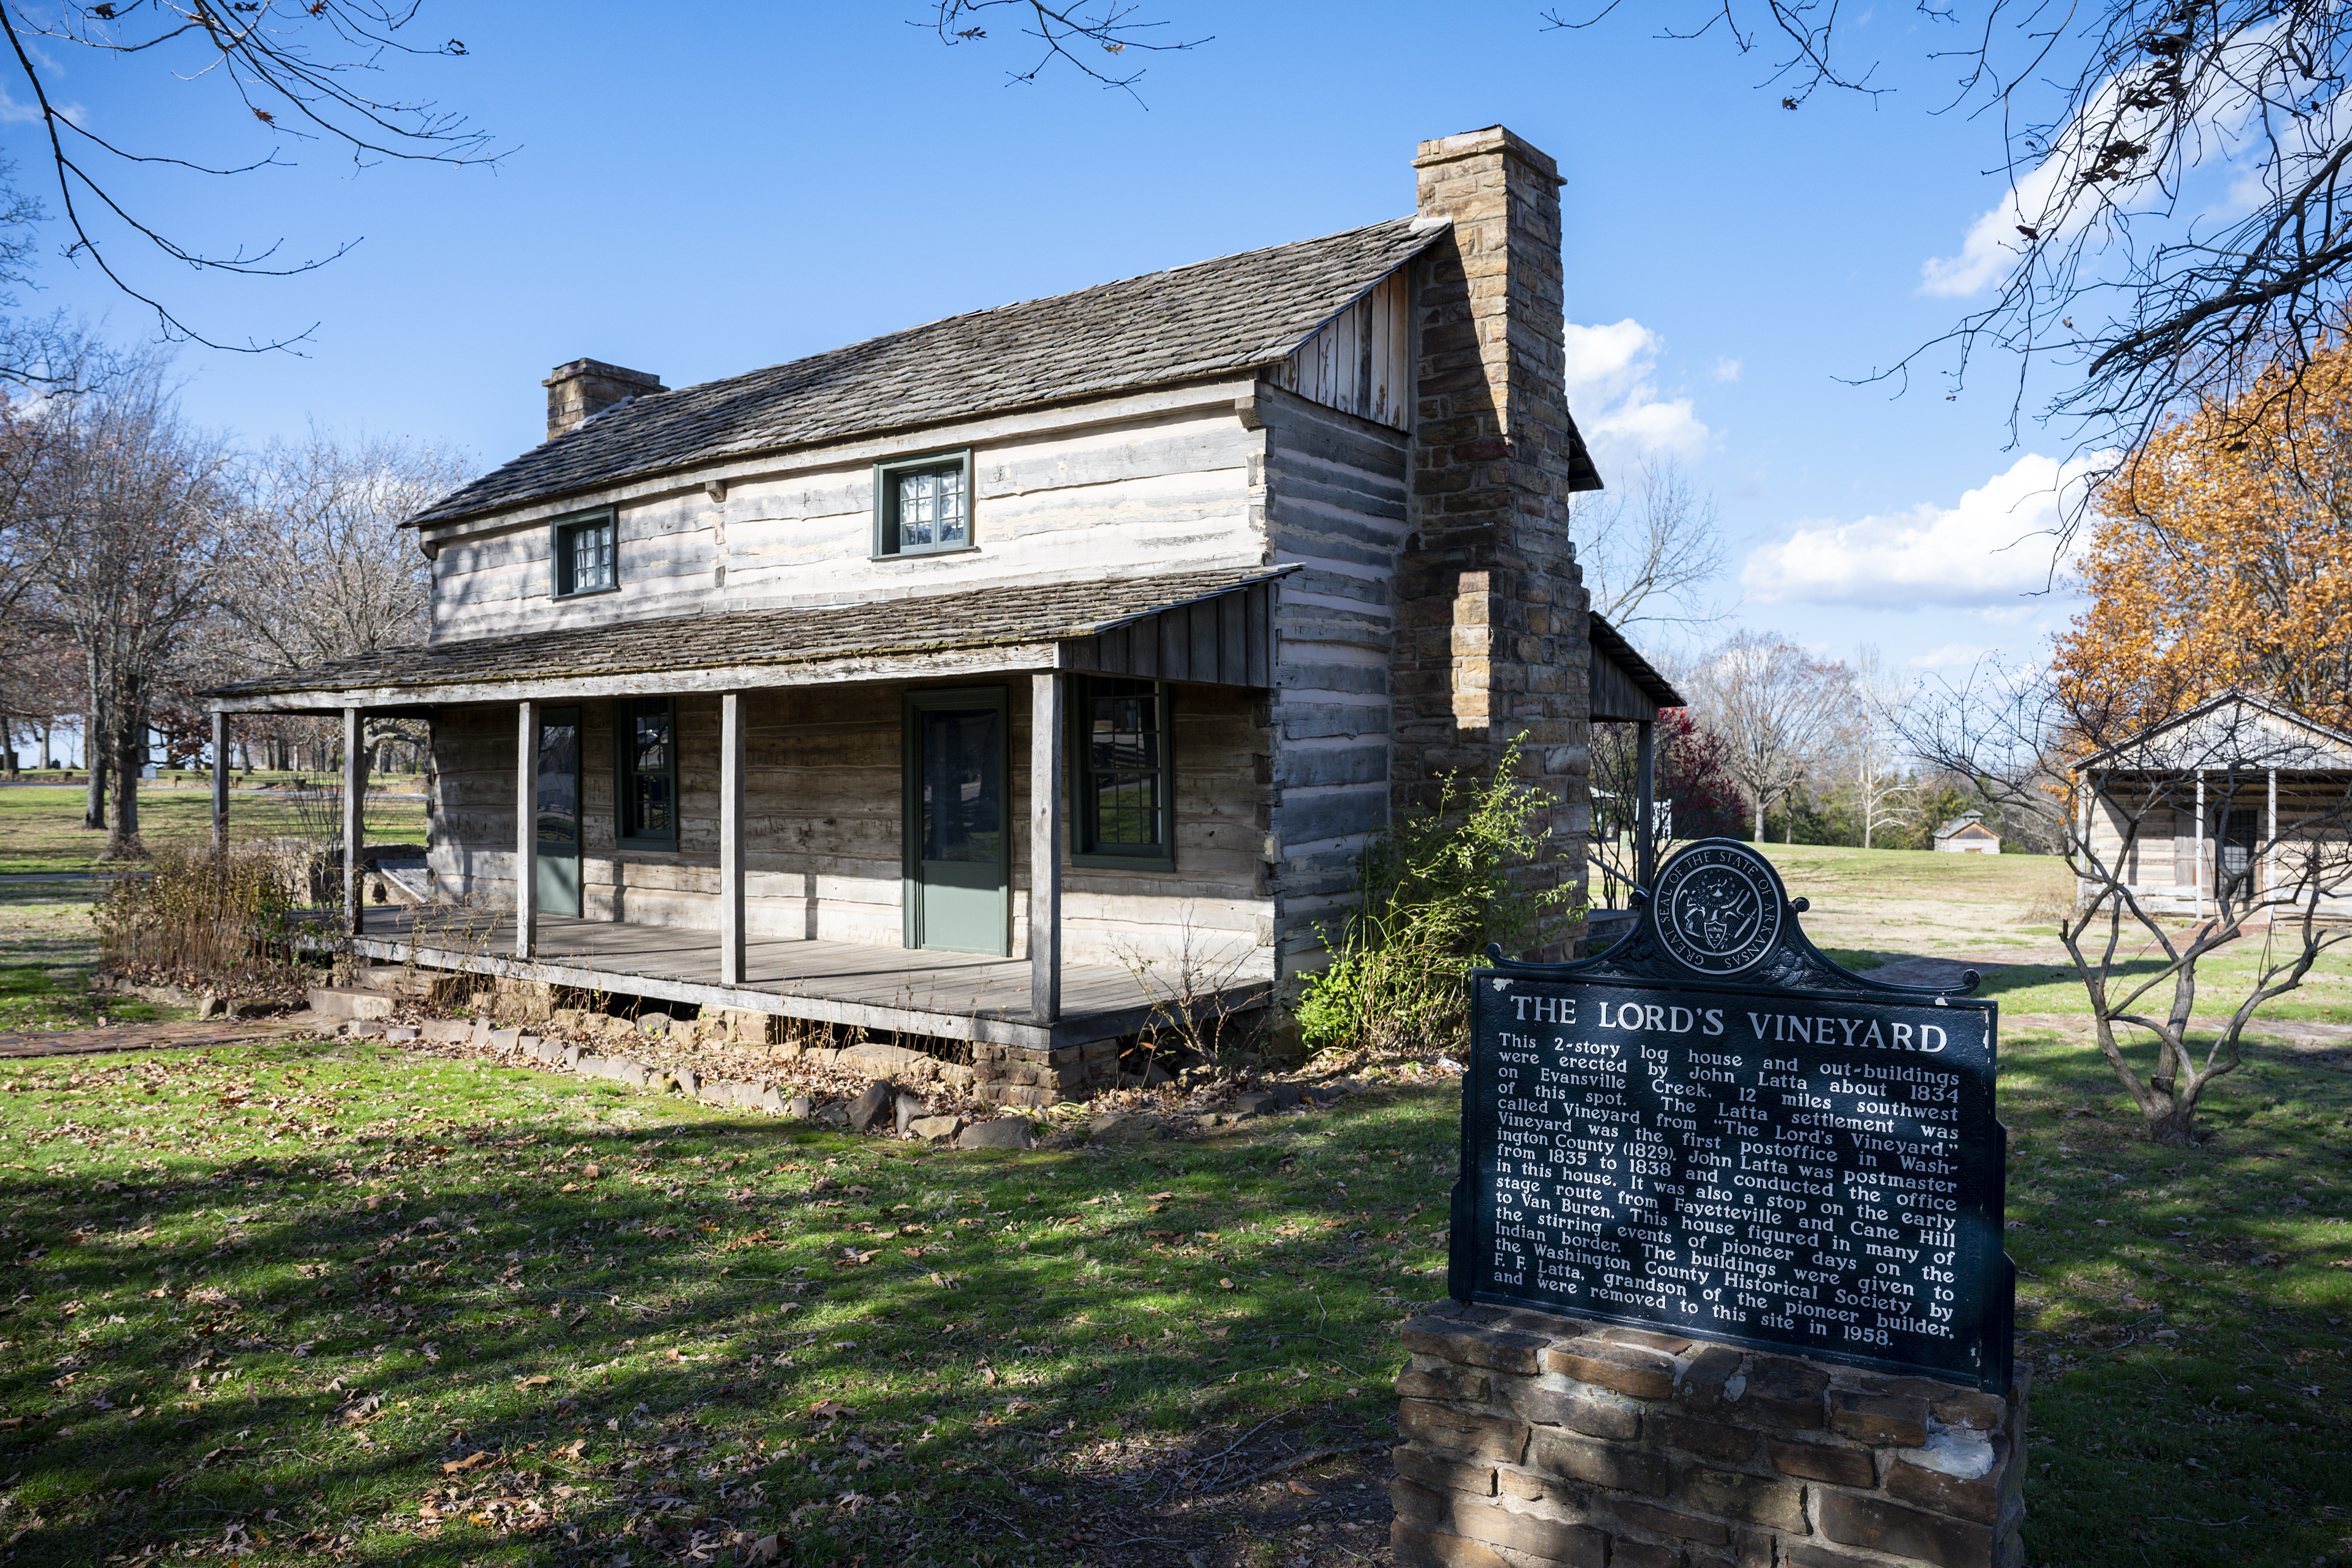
(947, 995)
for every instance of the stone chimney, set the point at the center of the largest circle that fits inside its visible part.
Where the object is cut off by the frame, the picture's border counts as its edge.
(586, 387)
(1491, 642)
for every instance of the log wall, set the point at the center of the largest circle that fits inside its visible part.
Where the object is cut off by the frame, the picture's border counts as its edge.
(824, 827)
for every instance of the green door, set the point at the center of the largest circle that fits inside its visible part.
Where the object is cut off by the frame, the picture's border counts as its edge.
(958, 892)
(559, 811)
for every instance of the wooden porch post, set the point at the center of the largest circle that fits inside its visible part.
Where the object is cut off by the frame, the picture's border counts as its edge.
(220, 781)
(2196, 856)
(1645, 803)
(731, 839)
(2269, 846)
(527, 831)
(1044, 847)
(354, 813)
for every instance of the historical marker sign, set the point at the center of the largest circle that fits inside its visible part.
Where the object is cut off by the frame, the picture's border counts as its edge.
(1713, 1129)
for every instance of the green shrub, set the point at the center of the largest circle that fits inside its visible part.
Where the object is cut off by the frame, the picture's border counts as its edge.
(1431, 894)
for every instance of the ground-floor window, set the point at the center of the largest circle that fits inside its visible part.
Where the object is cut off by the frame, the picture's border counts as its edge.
(645, 743)
(1123, 773)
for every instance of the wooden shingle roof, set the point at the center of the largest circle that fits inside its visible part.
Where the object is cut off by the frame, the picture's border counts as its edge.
(1236, 313)
(749, 642)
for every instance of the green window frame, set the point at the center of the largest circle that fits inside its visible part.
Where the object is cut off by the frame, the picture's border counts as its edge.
(645, 768)
(1122, 774)
(923, 505)
(584, 553)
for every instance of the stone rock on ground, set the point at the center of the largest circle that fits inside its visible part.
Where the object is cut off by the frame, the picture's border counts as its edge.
(934, 1129)
(687, 1080)
(1115, 1127)
(769, 1099)
(867, 1108)
(911, 1110)
(801, 1105)
(448, 1031)
(1286, 1096)
(654, 1023)
(348, 1002)
(1255, 1102)
(834, 1115)
(1004, 1132)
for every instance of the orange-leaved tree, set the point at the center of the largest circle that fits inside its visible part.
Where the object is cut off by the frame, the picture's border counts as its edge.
(2224, 558)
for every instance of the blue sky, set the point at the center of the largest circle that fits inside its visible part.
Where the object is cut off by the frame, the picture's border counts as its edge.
(720, 187)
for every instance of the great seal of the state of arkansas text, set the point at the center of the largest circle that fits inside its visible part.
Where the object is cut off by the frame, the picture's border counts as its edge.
(1718, 909)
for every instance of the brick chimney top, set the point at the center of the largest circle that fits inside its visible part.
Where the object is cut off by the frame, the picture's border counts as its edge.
(578, 392)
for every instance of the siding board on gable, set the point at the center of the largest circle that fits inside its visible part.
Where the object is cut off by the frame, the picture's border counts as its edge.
(1359, 363)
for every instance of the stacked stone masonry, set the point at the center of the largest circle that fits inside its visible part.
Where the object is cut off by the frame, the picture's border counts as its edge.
(1532, 1440)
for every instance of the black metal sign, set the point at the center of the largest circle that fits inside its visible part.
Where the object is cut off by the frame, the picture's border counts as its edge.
(1713, 1129)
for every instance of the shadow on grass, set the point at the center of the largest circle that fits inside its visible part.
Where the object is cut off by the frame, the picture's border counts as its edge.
(537, 1341)
(2184, 1315)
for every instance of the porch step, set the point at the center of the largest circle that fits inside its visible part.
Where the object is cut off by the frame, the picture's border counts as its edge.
(394, 980)
(349, 1001)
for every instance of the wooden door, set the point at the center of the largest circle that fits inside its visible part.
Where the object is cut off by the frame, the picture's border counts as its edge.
(559, 811)
(958, 881)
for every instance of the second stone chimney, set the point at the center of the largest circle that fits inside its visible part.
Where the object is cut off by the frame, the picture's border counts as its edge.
(586, 387)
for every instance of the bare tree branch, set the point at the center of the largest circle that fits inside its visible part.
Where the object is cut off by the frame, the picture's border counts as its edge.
(1074, 35)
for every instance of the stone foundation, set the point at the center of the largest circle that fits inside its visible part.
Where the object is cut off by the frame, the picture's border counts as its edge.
(1533, 1441)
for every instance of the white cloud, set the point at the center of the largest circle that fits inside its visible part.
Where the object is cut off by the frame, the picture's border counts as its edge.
(1951, 655)
(1985, 552)
(1726, 370)
(1613, 394)
(2061, 195)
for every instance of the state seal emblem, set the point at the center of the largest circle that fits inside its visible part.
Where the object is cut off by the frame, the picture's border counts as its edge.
(1719, 908)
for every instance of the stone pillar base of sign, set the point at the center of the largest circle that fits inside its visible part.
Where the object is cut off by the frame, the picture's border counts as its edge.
(1531, 1440)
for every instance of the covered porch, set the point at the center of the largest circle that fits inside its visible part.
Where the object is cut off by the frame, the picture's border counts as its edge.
(811, 763)
(946, 996)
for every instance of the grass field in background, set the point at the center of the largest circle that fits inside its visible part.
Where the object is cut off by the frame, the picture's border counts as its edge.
(1822, 871)
(41, 830)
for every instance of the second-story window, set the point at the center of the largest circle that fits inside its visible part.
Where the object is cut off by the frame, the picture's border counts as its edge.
(923, 505)
(585, 556)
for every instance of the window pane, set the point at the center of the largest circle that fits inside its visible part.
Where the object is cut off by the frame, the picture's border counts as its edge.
(650, 798)
(1123, 765)
(559, 782)
(963, 815)
(587, 552)
(931, 509)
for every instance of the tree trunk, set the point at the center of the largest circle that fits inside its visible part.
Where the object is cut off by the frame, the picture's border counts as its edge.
(94, 741)
(2175, 1127)
(129, 762)
(1760, 816)
(8, 745)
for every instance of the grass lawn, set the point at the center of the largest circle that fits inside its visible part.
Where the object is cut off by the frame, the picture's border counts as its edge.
(336, 1302)
(1826, 872)
(41, 830)
(302, 1302)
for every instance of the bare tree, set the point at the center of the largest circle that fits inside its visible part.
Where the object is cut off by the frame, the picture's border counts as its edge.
(138, 538)
(1649, 550)
(1776, 708)
(344, 579)
(2265, 861)
(283, 72)
(1884, 794)
(2178, 217)
(1075, 35)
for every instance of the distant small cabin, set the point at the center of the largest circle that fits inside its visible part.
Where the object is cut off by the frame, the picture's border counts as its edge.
(1967, 835)
(2233, 799)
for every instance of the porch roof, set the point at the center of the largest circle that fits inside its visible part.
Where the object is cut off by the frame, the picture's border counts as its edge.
(1209, 627)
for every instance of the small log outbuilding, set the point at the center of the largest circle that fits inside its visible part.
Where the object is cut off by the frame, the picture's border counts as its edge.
(2240, 796)
(1967, 835)
(998, 678)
